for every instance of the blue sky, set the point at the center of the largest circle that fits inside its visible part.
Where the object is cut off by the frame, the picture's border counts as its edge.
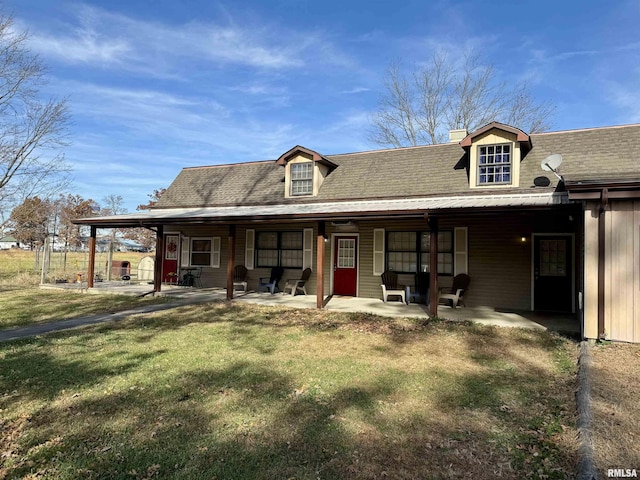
(157, 85)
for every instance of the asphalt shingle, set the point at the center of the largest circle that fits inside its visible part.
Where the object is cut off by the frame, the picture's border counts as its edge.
(408, 172)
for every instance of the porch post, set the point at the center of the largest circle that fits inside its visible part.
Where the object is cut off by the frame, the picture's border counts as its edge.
(433, 266)
(92, 257)
(320, 266)
(157, 269)
(231, 261)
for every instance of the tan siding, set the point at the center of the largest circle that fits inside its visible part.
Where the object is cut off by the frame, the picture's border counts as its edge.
(500, 262)
(590, 302)
(622, 271)
(211, 277)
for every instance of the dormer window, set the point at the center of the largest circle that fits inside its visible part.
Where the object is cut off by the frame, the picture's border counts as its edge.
(304, 172)
(302, 178)
(495, 153)
(494, 164)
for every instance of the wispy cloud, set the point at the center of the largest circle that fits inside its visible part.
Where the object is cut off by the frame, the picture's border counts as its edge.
(98, 36)
(355, 90)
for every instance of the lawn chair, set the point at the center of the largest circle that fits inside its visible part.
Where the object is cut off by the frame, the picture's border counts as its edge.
(390, 286)
(240, 273)
(295, 285)
(271, 283)
(456, 292)
(421, 293)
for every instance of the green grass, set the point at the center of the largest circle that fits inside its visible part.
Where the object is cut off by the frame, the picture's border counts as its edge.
(18, 267)
(230, 391)
(27, 306)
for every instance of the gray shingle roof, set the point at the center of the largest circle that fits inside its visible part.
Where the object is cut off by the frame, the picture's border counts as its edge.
(409, 172)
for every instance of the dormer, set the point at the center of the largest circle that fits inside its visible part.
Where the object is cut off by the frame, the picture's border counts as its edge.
(304, 172)
(495, 152)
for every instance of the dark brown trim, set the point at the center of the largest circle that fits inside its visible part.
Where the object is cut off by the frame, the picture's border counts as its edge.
(92, 257)
(617, 194)
(521, 136)
(231, 260)
(315, 156)
(372, 215)
(433, 266)
(320, 265)
(157, 269)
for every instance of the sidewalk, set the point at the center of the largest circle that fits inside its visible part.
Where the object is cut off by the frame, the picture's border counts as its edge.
(42, 328)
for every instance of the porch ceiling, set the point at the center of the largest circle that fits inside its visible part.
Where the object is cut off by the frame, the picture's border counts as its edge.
(329, 210)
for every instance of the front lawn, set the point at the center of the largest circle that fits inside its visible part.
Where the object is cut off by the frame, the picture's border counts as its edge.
(616, 406)
(230, 391)
(27, 306)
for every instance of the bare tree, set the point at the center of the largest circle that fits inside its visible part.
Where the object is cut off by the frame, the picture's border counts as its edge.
(113, 205)
(32, 130)
(144, 236)
(421, 108)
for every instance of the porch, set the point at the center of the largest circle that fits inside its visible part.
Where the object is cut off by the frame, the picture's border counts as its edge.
(565, 323)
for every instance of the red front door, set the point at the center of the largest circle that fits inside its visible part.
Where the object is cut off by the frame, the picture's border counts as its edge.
(170, 258)
(345, 265)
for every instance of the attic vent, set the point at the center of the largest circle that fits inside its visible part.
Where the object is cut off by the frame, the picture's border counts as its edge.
(457, 135)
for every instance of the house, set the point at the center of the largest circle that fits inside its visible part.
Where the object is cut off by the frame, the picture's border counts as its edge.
(8, 242)
(545, 222)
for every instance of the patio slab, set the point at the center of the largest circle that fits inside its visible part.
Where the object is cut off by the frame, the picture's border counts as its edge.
(483, 315)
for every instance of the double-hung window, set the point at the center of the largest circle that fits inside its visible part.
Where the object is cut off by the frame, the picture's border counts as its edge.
(279, 249)
(445, 252)
(204, 252)
(302, 178)
(406, 251)
(494, 164)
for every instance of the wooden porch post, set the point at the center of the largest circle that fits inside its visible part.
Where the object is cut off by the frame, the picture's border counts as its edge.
(157, 270)
(231, 261)
(92, 257)
(433, 266)
(320, 266)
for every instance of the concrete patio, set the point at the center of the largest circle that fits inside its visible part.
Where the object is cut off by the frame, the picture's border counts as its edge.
(484, 315)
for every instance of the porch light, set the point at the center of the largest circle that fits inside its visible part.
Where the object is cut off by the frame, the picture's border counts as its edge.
(523, 239)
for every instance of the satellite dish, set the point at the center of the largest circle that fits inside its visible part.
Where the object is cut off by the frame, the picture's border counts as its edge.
(551, 163)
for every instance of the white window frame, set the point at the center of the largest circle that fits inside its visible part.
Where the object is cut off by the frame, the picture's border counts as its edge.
(301, 180)
(494, 165)
(214, 252)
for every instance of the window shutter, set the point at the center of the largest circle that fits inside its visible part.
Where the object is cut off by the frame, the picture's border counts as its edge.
(184, 251)
(307, 249)
(378, 251)
(215, 252)
(249, 249)
(460, 249)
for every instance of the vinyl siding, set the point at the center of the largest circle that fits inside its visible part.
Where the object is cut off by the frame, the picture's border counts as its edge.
(622, 271)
